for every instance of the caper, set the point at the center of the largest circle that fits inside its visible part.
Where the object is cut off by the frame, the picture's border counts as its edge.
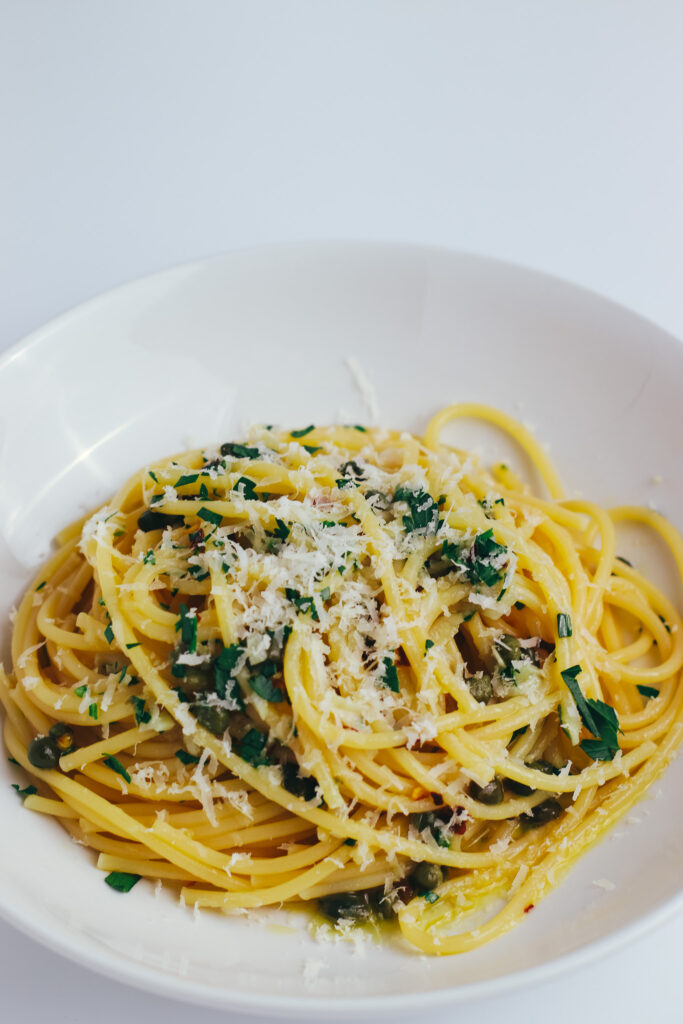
(240, 725)
(64, 737)
(346, 906)
(198, 678)
(540, 766)
(423, 820)
(492, 793)
(153, 520)
(427, 876)
(213, 718)
(43, 752)
(481, 688)
(437, 566)
(520, 788)
(509, 648)
(384, 904)
(303, 786)
(542, 813)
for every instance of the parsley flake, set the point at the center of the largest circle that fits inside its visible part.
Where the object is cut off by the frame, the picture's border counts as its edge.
(252, 748)
(122, 881)
(27, 791)
(186, 758)
(116, 766)
(564, 625)
(599, 718)
(390, 675)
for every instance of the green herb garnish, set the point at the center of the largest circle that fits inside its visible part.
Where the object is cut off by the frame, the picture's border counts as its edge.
(187, 624)
(116, 766)
(252, 748)
(142, 715)
(304, 604)
(27, 791)
(390, 675)
(266, 688)
(122, 881)
(186, 758)
(247, 488)
(564, 625)
(424, 512)
(215, 518)
(599, 718)
(239, 451)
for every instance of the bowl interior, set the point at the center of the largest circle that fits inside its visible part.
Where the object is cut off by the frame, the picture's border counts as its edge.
(188, 357)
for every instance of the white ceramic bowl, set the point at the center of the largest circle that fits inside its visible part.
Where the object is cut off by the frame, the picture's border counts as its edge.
(188, 356)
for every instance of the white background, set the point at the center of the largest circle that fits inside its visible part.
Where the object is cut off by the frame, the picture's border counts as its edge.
(139, 134)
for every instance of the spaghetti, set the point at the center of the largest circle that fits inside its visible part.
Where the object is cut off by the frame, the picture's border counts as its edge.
(346, 665)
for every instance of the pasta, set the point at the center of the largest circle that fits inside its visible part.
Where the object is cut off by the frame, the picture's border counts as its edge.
(347, 667)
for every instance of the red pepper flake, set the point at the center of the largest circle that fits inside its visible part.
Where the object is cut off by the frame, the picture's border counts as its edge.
(529, 907)
(459, 827)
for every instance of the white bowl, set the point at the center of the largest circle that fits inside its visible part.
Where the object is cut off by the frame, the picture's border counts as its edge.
(188, 356)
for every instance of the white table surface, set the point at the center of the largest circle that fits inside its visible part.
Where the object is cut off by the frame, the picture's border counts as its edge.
(143, 133)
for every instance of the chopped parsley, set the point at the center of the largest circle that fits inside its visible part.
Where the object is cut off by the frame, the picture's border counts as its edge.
(428, 644)
(109, 634)
(301, 433)
(266, 688)
(390, 675)
(27, 791)
(116, 766)
(239, 451)
(187, 624)
(564, 625)
(313, 448)
(122, 881)
(223, 668)
(247, 488)
(648, 691)
(282, 531)
(424, 512)
(429, 896)
(142, 715)
(477, 561)
(190, 478)
(599, 718)
(210, 517)
(149, 558)
(41, 585)
(93, 711)
(304, 604)
(252, 748)
(186, 758)
(80, 691)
